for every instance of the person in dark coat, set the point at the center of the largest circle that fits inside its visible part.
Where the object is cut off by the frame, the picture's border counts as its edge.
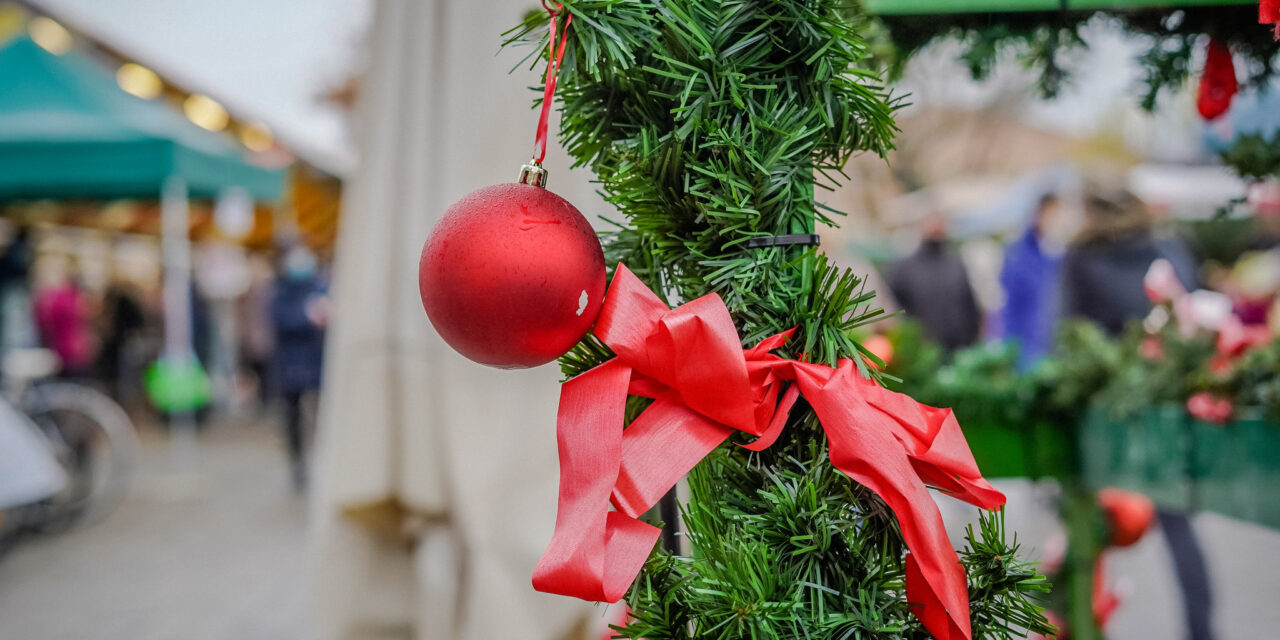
(1102, 277)
(1103, 270)
(932, 287)
(1029, 276)
(299, 311)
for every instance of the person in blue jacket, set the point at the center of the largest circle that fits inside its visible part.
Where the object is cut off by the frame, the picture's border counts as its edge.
(1030, 280)
(299, 311)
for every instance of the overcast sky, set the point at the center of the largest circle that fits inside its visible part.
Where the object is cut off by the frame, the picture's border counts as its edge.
(268, 60)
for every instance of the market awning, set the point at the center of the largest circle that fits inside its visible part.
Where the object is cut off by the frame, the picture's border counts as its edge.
(68, 131)
(943, 7)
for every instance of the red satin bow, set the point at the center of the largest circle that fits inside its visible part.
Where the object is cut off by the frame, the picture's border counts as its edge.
(705, 386)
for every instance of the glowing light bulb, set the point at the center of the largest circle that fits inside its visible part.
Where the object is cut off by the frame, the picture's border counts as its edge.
(139, 80)
(205, 112)
(257, 137)
(50, 35)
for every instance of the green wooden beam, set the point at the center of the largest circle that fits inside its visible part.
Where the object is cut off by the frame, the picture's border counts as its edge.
(944, 7)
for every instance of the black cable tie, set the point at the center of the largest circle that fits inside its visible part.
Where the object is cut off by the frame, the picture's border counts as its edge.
(790, 239)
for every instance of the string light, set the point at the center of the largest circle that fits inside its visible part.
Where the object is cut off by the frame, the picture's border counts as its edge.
(205, 112)
(257, 137)
(139, 80)
(50, 35)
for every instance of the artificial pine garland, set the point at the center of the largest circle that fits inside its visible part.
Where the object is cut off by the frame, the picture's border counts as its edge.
(1040, 38)
(709, 123)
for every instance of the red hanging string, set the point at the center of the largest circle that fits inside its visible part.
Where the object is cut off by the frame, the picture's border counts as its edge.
(554, 54)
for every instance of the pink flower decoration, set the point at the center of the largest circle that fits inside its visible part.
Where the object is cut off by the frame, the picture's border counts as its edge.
(1152, 348)
(1210, 407)
(1161, 282)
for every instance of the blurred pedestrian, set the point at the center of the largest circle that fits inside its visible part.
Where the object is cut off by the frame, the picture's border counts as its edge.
(63, 316)
(1102, 281)
(257, 331)
(1103, 270)
(932, 286)
(1030, 280)
(300, 312)
(17, 330)
(125, 322)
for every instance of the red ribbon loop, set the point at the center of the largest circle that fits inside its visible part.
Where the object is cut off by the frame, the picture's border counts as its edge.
(705, 386)
(554, 55)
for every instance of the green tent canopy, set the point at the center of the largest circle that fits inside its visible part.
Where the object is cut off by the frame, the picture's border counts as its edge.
(67, 131)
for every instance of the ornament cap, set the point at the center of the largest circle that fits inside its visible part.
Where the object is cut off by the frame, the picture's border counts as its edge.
(533, 173)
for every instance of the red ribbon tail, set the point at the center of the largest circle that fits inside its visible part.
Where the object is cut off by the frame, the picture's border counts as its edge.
(865, 445)
(658, 449)
(594, 554)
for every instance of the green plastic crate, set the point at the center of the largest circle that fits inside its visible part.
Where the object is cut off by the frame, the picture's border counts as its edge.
(1186, 465)
(1034, 450)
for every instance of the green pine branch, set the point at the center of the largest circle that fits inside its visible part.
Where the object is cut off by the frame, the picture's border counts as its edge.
(708, 123)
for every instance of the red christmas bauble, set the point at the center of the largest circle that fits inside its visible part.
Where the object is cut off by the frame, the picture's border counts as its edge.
(513, 276)
(1128, 515)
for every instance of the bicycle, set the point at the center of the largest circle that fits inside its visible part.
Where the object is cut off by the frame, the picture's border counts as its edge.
(87, 435)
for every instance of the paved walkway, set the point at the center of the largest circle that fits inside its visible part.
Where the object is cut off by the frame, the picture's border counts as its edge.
(219, 554)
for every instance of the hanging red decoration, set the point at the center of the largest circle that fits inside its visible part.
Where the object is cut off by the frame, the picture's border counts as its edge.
(1269, 13)
(1218, 82)
(1128, 515)
(706, 387)
(513, 276)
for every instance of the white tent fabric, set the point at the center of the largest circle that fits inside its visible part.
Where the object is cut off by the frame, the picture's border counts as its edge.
(436, 477)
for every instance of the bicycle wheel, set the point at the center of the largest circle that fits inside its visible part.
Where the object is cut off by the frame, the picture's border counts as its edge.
(96, 443)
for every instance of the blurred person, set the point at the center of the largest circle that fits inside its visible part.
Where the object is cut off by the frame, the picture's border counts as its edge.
(1029, 276)
(1102, 281)
(257, 331)
(125, 322)
(1103, 269)
(63, 318)
(932, 286)
(17, 330)
(300, 312)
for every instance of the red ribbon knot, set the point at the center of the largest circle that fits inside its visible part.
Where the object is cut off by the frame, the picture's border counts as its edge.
(705, 386)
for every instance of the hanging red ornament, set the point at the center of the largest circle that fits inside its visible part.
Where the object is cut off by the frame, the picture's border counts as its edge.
(513, 276)
(1269, 13)
(1218, 82)
(1128, 515)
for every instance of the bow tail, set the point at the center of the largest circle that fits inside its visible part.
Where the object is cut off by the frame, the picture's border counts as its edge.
(863, 446)
(594, 553)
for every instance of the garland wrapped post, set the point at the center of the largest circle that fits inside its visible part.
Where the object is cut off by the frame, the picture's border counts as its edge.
(710, 123)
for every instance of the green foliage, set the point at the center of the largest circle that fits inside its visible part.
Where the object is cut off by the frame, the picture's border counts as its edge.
(1040, 38)
(785, 546)
(1255, 380)
(1254, 157)
(982, 384)
(1141, 382)
(1091, 369)
(708, 123)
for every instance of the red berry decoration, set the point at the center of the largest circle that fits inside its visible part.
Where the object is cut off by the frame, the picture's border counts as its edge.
(1128, 515)
(513, 276)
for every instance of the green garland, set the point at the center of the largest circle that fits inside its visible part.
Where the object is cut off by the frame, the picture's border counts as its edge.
(1254, 157)
(1040, 38)
(708, 123)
